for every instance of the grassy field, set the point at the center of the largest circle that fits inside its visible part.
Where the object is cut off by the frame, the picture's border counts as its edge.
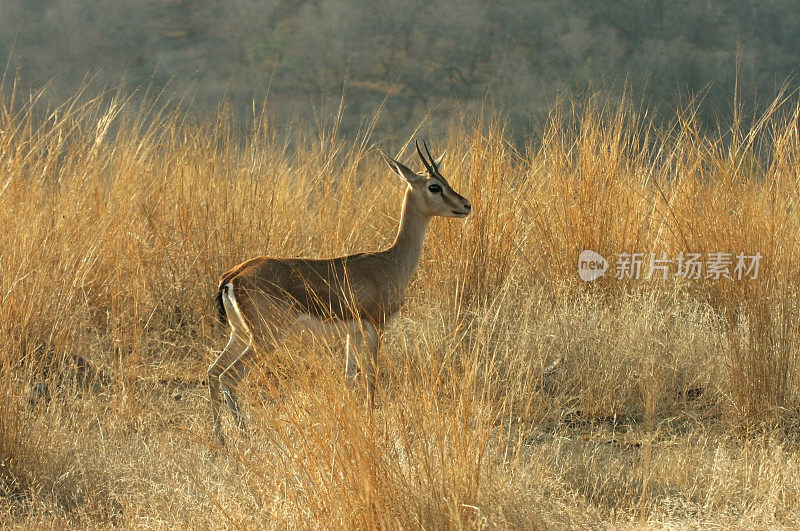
(512, 394)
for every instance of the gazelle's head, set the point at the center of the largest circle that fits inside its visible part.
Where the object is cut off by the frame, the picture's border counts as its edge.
(431, 193)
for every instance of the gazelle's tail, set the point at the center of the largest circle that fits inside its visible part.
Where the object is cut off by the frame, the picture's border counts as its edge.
(222, 316)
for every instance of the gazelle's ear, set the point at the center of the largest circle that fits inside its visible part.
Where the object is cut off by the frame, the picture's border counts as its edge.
(406, 174)
(440, 159)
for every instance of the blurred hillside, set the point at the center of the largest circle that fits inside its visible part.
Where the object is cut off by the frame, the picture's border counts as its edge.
(436, 55)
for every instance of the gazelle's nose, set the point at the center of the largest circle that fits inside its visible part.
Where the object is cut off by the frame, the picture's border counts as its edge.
(467, 206)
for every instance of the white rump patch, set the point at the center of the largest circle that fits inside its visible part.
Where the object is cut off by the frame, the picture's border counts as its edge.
(235, 317)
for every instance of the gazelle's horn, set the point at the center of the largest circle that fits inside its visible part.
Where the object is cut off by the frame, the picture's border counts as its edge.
(422, 157)
(433, 162)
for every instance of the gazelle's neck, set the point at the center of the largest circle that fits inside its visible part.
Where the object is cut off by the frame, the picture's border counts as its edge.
(406, 250)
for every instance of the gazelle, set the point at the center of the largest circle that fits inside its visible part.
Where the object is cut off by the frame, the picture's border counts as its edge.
(351, 295)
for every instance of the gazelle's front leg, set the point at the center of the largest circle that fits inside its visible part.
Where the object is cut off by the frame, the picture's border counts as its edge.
(351, 361)
(362, 349)
(372, 367)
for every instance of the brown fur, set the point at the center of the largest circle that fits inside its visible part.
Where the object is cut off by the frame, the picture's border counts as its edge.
(347, 288)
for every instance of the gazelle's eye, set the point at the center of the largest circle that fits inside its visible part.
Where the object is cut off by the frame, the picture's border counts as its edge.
(435, 189)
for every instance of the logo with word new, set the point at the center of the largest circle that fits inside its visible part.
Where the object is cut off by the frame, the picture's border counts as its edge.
(591, 265)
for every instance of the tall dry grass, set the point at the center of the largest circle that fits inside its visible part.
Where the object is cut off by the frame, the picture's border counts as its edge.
(512, 394)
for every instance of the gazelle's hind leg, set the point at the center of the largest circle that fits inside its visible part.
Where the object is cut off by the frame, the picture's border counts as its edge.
(229, 379)
(229, 367)
(230, 354)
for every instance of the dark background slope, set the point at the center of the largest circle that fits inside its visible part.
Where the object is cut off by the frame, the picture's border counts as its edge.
(436, 55)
